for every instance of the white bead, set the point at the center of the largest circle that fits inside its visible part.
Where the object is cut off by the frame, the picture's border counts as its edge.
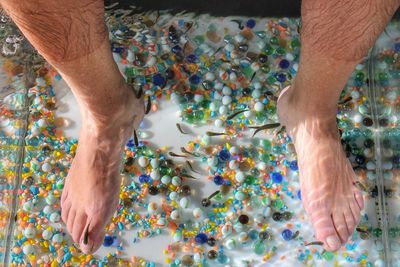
(230, 244)
(248, 113)
(198, 98)
(219, 123)
(226, 100)
(176, 180)
(355, 94)
(28, 249)
(226, 90)
(47, 209)
(391, 95)
(239, 177)
(55, 217)
(155, 175)
(57, 238)
(50, 199)
(255, 66)
(173, 195)
(27, 206)
(256, 94)
(143, 162)
(213, 161)
(161, 222)
(357, 118)
(218, 85)
(155, 163)
(29, 232)
(289, 56)
(210, 76)
(46, 167)
(47, 234)
(229, 47)
(152, 207)
(262, 166)
(165, 179)
(214, 106)
(175, 215)
(371, 165)
(234, 150)
(259, 106)
(184, 202)
(239, 38)
(197, 213)
(223, 110)
(233, 165)
(232, 77)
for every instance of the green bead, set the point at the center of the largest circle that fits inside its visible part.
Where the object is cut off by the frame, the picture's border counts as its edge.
(280, 51)
(274, 41)
(327, 255)
(265, 68)
(268, 49)
(255, 172)
(392, 232)
(250, 180)
(360, 76)
(271, 79)
(261, 117)
(266, 144)
(295, 43)
(377, 232)
(260, 247)
(277, 204)
(383, 76)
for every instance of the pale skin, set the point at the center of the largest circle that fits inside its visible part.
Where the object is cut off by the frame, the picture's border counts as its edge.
(336, 35)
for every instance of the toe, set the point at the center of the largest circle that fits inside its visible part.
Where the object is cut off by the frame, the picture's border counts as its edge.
(360, 199)
(355, 210)
(96, 235)
(325, 230)
(350, 221)
(79, 227)
(340, 226)
(66, 207)
(70, 220)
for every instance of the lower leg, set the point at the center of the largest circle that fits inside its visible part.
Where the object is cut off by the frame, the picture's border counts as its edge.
(72, 36)
(335, 36)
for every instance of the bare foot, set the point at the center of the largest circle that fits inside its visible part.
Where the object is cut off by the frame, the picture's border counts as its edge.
(327, 179)
(91, 190)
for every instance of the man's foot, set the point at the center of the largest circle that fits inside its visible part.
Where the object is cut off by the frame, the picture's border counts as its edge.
(91, 190)
(327, 179)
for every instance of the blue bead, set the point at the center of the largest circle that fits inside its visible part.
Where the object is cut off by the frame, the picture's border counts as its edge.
(176, 49)
(191, 58)
(396, 159)
(251, 23)
(397, 47)
(201, 238)
(108, 241)
(218, 180)
(158, 80)
(293, 165)
(360, 159)
(299, 194)
(276, 177)
(144, 178)
(195, 79)
(224, 155)
(281, 77)
(287, 234)
(284, 64)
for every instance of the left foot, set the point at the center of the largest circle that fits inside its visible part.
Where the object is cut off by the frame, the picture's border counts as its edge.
(91, 190)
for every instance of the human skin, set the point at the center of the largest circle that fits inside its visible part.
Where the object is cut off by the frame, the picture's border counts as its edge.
(72, 37)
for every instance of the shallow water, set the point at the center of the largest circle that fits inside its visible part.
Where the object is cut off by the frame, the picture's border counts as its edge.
(39, 124)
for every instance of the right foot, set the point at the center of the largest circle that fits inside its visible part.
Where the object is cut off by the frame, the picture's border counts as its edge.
(327, 178)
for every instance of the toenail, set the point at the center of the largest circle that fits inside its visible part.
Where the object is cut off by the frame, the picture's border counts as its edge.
(333, 241)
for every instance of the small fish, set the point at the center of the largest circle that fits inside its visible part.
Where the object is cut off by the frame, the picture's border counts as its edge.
(362, 186)
(235, 114)
(239, 23)
(190, 153)
(315, 243)
(191, 167)
(172, 154)
(185, 175)
(188, 26)
(296, 234)
(264, 127)
(359, 229)
(215, 134)
(158, 16)
(252, 77)
(86, 236)
(345, 100)
(148, 107)
(180, 128)
(135, 138)
(216, 51)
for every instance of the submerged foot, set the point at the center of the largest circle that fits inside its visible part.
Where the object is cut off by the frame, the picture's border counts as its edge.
(91, 190)
(327, 179)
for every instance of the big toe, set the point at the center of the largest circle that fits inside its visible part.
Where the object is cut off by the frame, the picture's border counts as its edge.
(325, 230)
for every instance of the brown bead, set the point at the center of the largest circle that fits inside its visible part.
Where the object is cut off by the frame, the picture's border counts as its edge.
(187, 260)
(224, 189)
(212, 254)
(243, 219)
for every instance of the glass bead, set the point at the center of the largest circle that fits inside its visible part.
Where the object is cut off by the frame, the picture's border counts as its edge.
(212, 254)
(218, 180)
(287, 234)
(211, 241)
(243, 219)
(187, 260)
(153, 190)
(251, 23)
(201, 238)
(260, 247)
